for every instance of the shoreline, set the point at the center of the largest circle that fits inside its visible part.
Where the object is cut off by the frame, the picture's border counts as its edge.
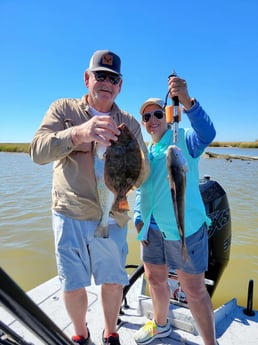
(24, 147)
(229, 157)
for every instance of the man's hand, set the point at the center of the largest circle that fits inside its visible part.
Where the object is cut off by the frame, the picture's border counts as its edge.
(101, 129)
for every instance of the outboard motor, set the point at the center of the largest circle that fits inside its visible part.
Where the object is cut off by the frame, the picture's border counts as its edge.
(219, 239)
(219, 232)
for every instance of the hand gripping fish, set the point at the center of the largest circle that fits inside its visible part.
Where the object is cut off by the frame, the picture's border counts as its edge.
(123, 167)
(177, 168)
(105, 196)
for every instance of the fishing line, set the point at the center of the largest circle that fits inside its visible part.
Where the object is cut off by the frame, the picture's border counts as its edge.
(175, 117)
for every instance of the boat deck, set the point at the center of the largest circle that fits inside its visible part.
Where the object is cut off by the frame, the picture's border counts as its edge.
(233, 327)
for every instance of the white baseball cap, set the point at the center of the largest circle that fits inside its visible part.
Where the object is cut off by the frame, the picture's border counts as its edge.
(157, 101)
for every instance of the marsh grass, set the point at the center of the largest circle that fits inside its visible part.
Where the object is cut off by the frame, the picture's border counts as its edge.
(24, 147)
(240, 144)
(14, 147)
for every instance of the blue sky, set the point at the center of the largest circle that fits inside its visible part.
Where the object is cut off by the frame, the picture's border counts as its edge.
(46, 46)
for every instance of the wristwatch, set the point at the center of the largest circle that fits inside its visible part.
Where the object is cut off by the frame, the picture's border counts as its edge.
(193, 100)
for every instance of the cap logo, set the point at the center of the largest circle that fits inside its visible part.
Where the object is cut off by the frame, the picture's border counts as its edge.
(107, 60)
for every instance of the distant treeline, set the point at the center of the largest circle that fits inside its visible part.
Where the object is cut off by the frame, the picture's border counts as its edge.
(24, 147)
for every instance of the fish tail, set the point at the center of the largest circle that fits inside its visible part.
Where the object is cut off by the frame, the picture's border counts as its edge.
(121, 204)
(101, 231)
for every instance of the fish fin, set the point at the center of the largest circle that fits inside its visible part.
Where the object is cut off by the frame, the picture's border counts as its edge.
(123, 205)
(101, 231)
(184, 252)
(144, 171)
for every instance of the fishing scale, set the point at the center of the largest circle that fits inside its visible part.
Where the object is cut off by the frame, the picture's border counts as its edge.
(173, 112)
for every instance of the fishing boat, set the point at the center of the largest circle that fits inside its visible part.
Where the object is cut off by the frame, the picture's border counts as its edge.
(39, 316)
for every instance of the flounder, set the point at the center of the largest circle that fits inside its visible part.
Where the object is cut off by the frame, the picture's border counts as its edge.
(118, 169)
(124, 166)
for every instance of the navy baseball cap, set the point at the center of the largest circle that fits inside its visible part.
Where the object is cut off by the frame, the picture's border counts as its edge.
(105, 60)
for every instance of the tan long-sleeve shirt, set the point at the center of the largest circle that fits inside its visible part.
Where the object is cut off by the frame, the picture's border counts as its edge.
(74, 190)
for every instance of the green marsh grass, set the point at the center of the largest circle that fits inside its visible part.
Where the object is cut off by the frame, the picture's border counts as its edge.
(14, 147)
(24, 147)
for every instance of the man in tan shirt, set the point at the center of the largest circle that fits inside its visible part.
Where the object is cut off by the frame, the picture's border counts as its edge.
(66, 137)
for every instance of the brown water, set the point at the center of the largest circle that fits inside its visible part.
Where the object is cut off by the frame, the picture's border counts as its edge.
(27, 251)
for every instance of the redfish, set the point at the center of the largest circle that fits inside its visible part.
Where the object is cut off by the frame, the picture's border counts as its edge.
(105, 196)
(177, 169)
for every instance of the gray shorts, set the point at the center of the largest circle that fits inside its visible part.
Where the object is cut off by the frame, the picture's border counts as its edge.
(160, 251)
(80, 255)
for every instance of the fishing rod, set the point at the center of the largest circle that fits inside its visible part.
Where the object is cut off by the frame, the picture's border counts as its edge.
(173, 112)
(176, 113)
(10, 337)
(28, 313)
(139, 270)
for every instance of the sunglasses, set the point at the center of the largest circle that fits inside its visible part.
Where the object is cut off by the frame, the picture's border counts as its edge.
(157, 113)
(113, 78)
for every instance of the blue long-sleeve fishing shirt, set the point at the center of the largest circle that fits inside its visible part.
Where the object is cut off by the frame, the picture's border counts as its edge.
(153, 199)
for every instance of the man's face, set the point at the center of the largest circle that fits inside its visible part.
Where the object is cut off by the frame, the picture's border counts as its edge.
(103, 88)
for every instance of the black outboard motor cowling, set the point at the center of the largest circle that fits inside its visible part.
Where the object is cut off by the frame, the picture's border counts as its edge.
(219, 232)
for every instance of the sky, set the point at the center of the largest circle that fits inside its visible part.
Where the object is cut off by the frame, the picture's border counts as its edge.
(46, 46)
